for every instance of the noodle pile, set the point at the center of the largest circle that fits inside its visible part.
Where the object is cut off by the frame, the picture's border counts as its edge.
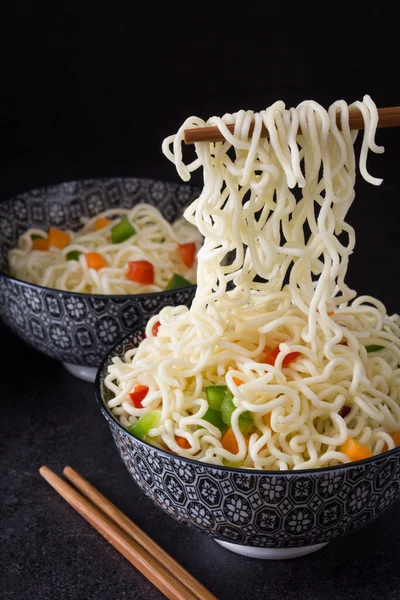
(271, 279)
(155, 241)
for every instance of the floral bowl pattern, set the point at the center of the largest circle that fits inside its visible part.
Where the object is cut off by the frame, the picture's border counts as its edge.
(75, 328)
(264, 514)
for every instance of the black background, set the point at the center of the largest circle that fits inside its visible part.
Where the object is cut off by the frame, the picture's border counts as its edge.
(90, 89)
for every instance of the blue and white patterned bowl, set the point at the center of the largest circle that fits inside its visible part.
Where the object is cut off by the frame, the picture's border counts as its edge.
(262, 514)
(80, 329)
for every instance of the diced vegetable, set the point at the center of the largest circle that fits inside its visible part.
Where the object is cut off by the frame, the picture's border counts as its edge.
(355, 450)
(214, 417)
(245, 423)
(40, 244)
(227, 408)
(215, 395)
(396, 438)
(272, 355)
(57, 238)
(177, 282)
(35, 236)
(94, 260)
(140, 271)
(182, 442)
(229, 442)
(187, 253)
(374, 348)
(233, 465)
(236, 380)
(143, 425)
(344, 411)
(138, 395)
(73, 255)
(122, 231)
(154, 329)
(100, 223)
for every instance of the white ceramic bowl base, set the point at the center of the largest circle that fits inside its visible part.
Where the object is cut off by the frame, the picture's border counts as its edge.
(82, 371)
(271, 553)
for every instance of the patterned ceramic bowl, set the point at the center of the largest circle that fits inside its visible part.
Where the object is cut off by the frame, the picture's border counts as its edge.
(80, 329)
(262, 514)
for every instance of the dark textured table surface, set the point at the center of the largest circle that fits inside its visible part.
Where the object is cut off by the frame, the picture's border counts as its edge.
(48, 552)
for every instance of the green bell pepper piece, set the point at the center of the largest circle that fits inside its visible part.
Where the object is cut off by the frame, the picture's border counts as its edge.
(73, 255)
(227, 408)
(234, 465)
(374, 348)
(143, 425)
(177, 282)
(122, 231)
(214, 417)
(215, 395)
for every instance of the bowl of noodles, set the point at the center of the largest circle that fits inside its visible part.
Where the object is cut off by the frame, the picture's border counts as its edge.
(84, 262)
(266, 414)
(260, 513)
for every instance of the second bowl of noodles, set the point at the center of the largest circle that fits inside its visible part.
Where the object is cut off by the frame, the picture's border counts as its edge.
(78, 326)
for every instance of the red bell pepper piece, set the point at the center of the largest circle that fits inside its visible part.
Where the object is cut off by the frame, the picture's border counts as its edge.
(140, 271)
(272, 355)
(138, 395)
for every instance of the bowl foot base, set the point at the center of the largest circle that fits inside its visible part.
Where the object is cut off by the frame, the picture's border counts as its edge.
(271, 553)
(82, 371)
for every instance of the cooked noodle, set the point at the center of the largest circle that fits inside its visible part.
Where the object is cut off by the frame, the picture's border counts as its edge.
(272, 271)
(155, 241)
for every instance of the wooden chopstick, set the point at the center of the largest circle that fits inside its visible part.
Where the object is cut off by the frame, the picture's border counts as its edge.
(388, 117)
(148, 564)
(108, 508)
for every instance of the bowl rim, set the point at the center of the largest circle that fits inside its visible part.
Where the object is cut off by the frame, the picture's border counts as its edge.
(107, 414)
(84, 294)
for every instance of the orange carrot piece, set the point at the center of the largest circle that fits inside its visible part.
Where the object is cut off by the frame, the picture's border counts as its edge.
(396, 438)
(100, 223)
(94, 260)
(236, 380)
(40, 244)
(187, 252)
(229, 442)
(355, 450)
(57, 238)
(182, 442)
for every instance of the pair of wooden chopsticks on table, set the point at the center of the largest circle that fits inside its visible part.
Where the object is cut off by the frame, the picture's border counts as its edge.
(137, 547)
(388, 117)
